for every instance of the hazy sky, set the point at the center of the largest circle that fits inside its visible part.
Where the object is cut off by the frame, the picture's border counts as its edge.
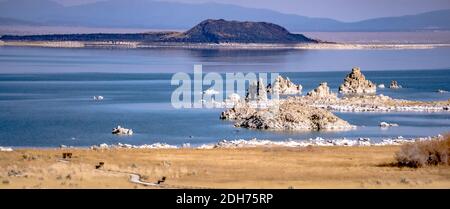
(345, 10)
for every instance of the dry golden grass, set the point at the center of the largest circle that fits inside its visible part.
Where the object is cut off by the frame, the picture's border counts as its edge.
(311, 167)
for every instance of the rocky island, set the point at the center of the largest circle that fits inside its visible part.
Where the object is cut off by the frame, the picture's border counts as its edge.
(356, 83)
(291, 115)
(122, 131)
(286, 114)
(207, 32)
(322, 92)
(256, 91)
(394, 85)
(284, 86)
(314, 110)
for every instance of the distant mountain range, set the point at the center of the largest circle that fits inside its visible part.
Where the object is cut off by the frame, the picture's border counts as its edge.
(208, 31)
(174, 15)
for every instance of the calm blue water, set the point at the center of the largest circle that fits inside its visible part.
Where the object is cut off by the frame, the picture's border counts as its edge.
(45, 94)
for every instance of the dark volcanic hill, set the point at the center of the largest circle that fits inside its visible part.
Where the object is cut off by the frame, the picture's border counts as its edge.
(222, 31)
(208, 31)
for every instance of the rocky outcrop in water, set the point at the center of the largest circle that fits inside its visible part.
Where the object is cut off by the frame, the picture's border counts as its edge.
(122, 131)
(356, 83)
(312, 112)
(234, 98)
(98, 98)
(386, 124)
(239, 111)
(256, 91)
(394, 85)
(284, 86)
(322, 92)
(289, 115)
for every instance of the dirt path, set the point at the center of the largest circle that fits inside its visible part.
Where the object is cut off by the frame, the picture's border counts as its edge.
(134, 178)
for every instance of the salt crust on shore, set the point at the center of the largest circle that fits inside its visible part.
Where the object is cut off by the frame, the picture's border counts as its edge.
(6, 149)
(241, 143)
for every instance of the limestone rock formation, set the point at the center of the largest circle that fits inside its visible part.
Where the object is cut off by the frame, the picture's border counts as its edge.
(256, 91)
(235, 98)
(322, 92)
(98, 98)
(284, 86)
(394, 85)
(356, 83)
(210, 92)
(290, 115)
(122, 131)
(386, 124)
(239, 111)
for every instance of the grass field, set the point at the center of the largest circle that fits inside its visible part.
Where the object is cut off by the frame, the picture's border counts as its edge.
(276, 167)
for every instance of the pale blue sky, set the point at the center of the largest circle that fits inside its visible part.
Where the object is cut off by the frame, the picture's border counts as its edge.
(345, 10)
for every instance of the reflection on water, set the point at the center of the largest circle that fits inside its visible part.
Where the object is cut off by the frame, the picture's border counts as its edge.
(50, 60)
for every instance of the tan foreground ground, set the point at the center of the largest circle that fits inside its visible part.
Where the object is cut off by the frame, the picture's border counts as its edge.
(311, 167)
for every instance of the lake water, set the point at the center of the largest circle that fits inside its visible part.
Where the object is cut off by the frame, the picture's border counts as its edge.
(46, 94)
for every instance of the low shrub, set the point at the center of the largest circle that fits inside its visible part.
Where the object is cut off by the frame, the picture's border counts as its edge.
(418, 154)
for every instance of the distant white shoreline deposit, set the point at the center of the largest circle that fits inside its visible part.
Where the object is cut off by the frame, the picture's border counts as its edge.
(309, 46)
(252, 143)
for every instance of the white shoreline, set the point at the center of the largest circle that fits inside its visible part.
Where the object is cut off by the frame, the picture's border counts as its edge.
(308, 46)
(252, 143)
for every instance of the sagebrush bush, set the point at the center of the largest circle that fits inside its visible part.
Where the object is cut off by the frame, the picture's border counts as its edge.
(418, 154)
